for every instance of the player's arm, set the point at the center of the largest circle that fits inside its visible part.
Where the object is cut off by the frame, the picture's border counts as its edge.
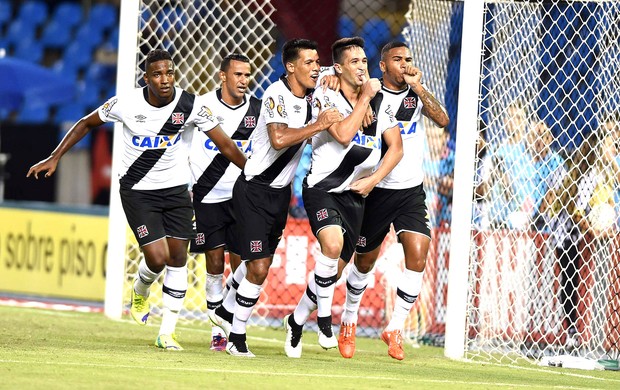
(227, 146)
(343, 132)
(432, 109)
(391, 158)
(281, 136)
(73, 136)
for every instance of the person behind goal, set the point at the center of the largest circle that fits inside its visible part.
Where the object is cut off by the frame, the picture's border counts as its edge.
(158, 120)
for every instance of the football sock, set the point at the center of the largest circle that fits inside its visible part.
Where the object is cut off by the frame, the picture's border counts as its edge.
(325, 276)
(230, 299)
(246, 297)
(307, 303)
(174, 289)
(144, 279)
(356, 285)
(406, 294)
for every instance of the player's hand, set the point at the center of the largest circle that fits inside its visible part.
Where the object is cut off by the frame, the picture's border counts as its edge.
(332, 82)
(48, 166)
(363, 186)
(413, 76)
(329, 117)
(371, 87)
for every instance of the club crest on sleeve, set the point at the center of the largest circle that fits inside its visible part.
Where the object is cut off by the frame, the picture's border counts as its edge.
(107, 107)
(142, 231)
(321, 214)
(178, 118)
(256, 246)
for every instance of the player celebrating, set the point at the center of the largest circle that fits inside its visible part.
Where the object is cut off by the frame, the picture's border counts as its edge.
(214, 176)
(262, 193)
(153, 179)
(346, 166)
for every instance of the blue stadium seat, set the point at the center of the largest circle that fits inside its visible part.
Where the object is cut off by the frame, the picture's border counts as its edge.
(89, 36)
(112, 40)
(30, 50)
(79, 54)
(70, 112)
(88, 94)
(56, 34)
(346, 27)
(66, 68)
(102, 16)
(376, 31)
(33, 114)
(6, 13)
(33, 12)
(69, 13)
(20, 30)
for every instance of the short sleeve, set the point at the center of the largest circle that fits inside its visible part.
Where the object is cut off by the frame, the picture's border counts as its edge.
(321, 101)
(386, 118)
(110, 111)
(204, 120)
(274, 108)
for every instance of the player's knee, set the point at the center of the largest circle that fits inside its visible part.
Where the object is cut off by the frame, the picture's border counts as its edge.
(331, 248)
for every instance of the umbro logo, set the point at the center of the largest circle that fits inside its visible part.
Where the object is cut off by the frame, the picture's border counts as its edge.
(140, 118)
(297, 108)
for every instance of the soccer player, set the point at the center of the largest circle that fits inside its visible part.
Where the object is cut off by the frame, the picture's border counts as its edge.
(214, 176)
(262, 193)
(154, 179)
(346, 166)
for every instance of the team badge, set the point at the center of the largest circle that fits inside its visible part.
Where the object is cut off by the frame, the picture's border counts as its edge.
(281, 108)
(108, 106)
(361, 241)
(317, 103)
(205, 112)
(409, 102)
(321, 214)
(256, 246)
(249, 122)
(142, 231)
(140, 118)
(178, 118)
(200, 239)
(270, 105)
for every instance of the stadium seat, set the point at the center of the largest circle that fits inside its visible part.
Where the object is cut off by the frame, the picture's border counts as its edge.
(68, 13)
(56, 34)
(376, 31)
(102, 16)
(346, 27)
(66, 68)
(88, 94)
(79, 54)
(70, 112)
(32, 114)
(6, 13)
(20, 30)
(29, 50)
(89, 36)
(112, 40)
(33, 12)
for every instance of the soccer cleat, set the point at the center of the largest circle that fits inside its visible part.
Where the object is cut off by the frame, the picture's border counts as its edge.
(139, 309)
(346, 340)
(327, 340)
(238, 347)
(219, 321)
(292, 345)
(218, 343)
(168, 342)
(394, 340)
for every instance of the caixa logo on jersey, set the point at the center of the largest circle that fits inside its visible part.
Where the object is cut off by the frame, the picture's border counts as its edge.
(367, 141)
(157, 142)
(245, 145)
(407, 127)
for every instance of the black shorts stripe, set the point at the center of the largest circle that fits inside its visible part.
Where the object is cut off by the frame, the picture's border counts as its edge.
(147, 160)
(355, 156)
(271, 173)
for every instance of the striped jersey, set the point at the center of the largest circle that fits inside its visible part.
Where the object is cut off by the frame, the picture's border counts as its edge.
(334, 166)
(213, 175)
(266, 165)
(408, 113)
(156, 139)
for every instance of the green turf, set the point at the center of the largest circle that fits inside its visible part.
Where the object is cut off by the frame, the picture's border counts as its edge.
(43, 349)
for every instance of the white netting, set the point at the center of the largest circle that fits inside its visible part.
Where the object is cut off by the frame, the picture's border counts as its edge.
(543, 267)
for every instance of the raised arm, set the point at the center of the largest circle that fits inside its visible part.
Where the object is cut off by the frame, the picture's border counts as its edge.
(281, 136)
(432, 109)
(343, 132)
(75, 134)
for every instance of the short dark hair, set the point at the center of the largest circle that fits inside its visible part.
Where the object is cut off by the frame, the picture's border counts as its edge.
(156, 55)
(343, 44)
(389, 46)
(291, 49)
(232, 57)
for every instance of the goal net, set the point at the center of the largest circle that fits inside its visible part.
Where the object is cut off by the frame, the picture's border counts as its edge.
(543, 273)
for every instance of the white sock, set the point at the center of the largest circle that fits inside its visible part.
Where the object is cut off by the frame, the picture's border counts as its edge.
(173, 295)
(356, 285)
(214, 290)
(407, 292)
(231, 296)
(144, 279)
(325, 276)
(247, 296)
(307, 303)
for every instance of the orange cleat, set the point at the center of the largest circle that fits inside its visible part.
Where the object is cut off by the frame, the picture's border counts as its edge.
(394, 340)
(346, 340)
